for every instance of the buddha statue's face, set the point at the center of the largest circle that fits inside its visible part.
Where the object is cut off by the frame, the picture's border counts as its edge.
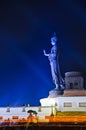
(53, 43)
(53, 40)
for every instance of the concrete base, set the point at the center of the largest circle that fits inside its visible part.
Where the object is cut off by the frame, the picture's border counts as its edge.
(66, 103)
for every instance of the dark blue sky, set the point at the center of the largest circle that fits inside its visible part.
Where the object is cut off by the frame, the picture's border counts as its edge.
(25, 30)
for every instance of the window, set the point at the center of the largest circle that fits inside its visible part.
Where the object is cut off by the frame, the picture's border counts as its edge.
(71, 85)
(67, 104)
(76, 84)
(82, 104)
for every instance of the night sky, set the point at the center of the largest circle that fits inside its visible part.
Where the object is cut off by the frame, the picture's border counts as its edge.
(25, 30)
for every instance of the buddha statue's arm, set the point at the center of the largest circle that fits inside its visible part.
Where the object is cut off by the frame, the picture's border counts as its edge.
(45, 54)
